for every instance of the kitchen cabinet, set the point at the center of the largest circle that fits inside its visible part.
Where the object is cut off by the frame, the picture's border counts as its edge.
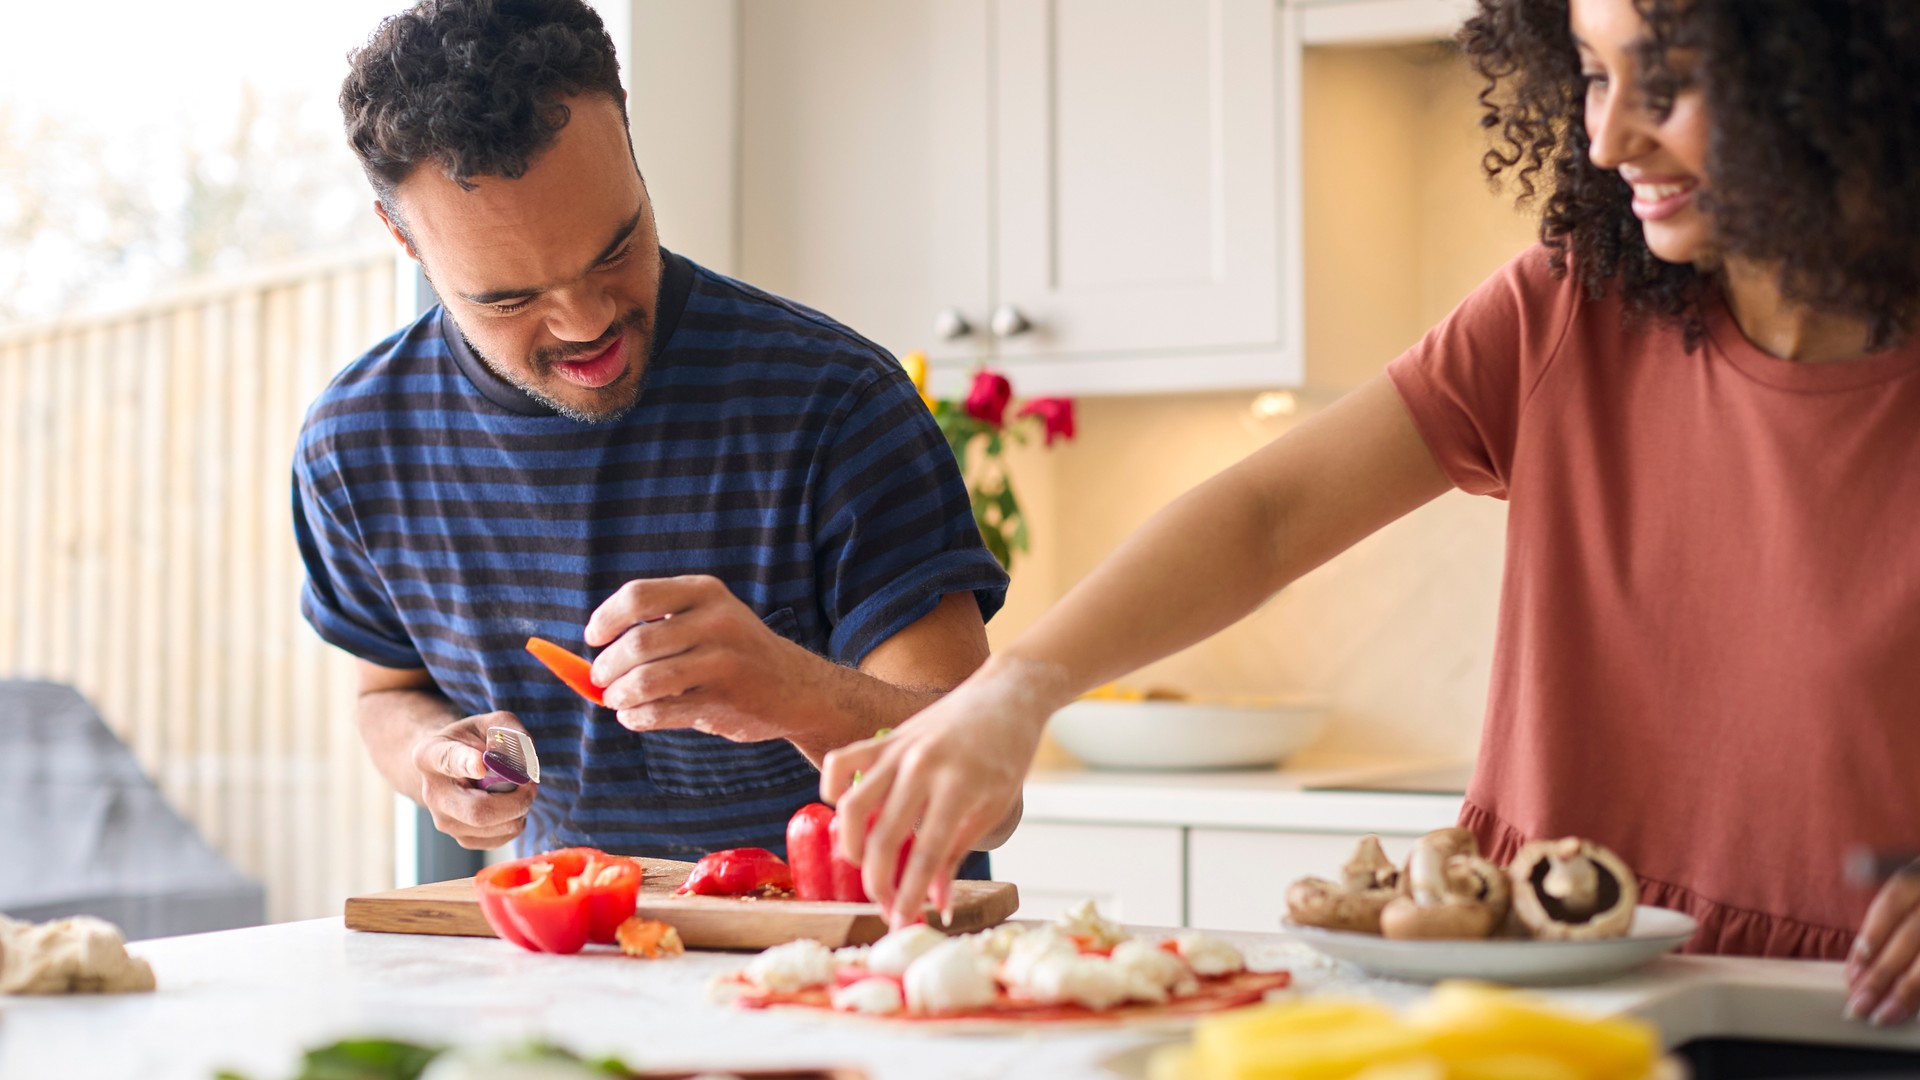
(1379, 22)
(1201, 877)
(1084, 193)
(1212, 851)
(1135, 873)
(1136, 181)
(1237, 878)
(1100, 197)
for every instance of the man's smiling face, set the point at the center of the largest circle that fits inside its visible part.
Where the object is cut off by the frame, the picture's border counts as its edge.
(552, 277)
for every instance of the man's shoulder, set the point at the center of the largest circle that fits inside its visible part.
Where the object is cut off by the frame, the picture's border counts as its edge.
(761, 326)
(369, 390)
(414, 349)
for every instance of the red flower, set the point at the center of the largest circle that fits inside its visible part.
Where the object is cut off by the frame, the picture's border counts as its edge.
(987, 400)
(1056, 413)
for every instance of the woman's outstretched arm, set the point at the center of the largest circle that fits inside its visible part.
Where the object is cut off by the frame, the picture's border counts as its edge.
(1199, 565)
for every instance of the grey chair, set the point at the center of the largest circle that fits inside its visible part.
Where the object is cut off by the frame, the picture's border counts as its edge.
(83, 831)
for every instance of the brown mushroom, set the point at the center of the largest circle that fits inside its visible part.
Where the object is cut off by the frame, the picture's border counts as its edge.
(1367, 882)
(1572, 889)
(1448, 891)
(1446, 843)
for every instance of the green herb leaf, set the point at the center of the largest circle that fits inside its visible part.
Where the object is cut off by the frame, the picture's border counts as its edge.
(368, 1059)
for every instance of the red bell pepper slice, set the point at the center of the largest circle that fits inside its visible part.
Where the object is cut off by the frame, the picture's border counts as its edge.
(572, 670)
(739, 872)
(611, 885)
(810, 852)
(813, 849)
(558, 901)
(846, 876)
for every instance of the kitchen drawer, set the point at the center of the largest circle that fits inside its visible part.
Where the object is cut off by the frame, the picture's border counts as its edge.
(1237, 878)
(1133, 872)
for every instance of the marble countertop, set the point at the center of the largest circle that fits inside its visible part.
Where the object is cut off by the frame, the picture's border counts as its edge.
(1279, 799)
(250, 1000)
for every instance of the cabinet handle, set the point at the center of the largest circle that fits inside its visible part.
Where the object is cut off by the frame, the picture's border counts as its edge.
(951, 325)
(1009, 322)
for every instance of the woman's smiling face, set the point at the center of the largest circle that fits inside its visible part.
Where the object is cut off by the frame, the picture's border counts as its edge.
(1657, 148)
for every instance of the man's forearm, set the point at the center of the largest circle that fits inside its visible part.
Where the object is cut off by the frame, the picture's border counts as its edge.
(851, 705)
(864, 706)
(392, 722)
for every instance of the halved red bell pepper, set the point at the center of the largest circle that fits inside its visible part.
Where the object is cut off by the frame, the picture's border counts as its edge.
(739, 872)
(572, 670)
(558, 901)
(813, 850)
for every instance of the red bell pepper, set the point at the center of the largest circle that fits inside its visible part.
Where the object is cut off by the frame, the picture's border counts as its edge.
(813, 849)
(810, 852)
(572, 670)
(739, 872)
(558, 901)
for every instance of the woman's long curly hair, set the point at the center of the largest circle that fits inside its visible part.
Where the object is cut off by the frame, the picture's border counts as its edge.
(1813, 158)
(472, 86)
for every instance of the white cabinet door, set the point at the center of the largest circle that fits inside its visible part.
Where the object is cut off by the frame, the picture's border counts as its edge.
(1137, 182)
(863, 149)
(1133, 873)
(1237, 879)
(1107, 170)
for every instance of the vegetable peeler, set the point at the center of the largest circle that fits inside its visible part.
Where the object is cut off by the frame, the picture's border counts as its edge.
(510, 759)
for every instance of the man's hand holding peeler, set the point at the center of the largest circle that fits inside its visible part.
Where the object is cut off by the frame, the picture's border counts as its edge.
(451, 773)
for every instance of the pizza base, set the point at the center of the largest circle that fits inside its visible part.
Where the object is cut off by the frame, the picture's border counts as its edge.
(1217, 994)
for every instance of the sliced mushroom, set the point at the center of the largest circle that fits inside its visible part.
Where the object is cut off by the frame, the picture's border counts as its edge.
(1572, 889)
(1448, 891)
(1367, 882)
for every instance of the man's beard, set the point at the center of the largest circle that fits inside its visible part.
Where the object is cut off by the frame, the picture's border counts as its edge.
(636, 324)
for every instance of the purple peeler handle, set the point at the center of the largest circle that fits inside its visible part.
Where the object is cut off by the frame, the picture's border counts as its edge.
(501, 777)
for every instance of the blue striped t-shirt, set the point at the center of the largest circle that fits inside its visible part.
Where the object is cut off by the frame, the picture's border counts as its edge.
(444, 516)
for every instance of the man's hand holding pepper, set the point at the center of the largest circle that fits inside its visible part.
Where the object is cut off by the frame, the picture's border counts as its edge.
(685, 652)
(450, 767)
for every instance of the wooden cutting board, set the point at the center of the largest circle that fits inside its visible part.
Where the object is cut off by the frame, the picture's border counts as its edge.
(704, 922)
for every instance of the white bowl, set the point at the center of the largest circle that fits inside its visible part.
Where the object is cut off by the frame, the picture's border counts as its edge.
(1184, 734)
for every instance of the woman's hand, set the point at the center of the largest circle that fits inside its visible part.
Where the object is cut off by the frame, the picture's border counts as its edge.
(1883, 971)
(956, 769)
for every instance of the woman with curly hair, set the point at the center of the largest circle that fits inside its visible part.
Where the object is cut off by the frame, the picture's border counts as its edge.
(1700, 395)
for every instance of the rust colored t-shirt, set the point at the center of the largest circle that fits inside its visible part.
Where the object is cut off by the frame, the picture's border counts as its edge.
(1709, 644)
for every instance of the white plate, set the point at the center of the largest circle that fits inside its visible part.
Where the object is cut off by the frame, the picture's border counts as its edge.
(1523, 963)
(1185, 734)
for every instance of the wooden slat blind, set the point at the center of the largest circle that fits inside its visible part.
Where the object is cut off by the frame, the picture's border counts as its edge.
(147, 558)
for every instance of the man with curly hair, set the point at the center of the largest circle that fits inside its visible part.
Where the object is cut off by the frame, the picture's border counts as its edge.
(742, 505)
(1700, 396)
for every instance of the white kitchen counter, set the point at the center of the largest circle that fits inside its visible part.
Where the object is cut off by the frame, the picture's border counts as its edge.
(250, 1000)
(1267, 799)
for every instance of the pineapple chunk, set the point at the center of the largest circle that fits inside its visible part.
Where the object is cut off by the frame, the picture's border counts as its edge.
(1462, 1031)
(1308, 1040)
(1468, 1021)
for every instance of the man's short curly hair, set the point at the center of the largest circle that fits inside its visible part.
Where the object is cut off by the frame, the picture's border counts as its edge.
(1813, 157)
(472, 86)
